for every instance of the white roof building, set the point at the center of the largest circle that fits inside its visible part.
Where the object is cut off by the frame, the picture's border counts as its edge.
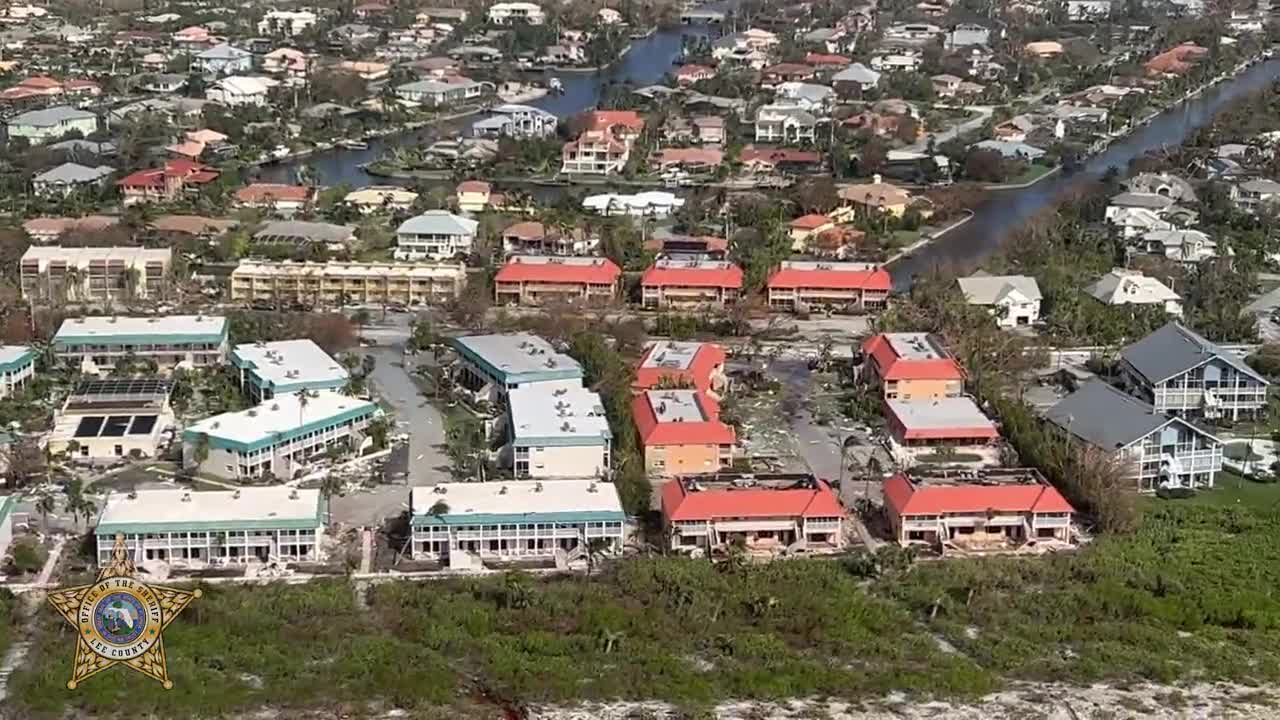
(435, 234)
(521, 501)
(655, 203)
(1013, 299)
(1131, 287)
(557, 430)
(285, 366)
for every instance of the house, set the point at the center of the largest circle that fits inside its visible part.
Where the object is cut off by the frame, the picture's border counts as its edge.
(605, 145)
(286, 23)
(353, 35)
(365, 70)
(94, 274)
(1010, 150)
(534, 279)
(967, 35)
(280, 437)
(95, 344)
(1131, 287)
(440, 93)
(803, 285)
(335, 238)
(1044, 49)
(336, 284)
(662, 242)
(491, 366)
(826, 61)
(1253, 194)
(680, 432)
(1176, 60)
(164, 83)
(692, 73)
(195, 530)
(690, 283)
(222, 59)
(1175, 370)
(1012, 299)
(533, 238)
(773, 159)
(238, 90)
(436, 235)
(285, 200)
(910, 366)
(609, 16)
(557, 432)
(165, 184)
(50, 229)
(1134, 221)
(280, 367)
(897, 62)
(807, 96)
(1165, 184)
(1008, 509)
(948, 430)
(807, 226)
(41, 126)
(855, 79)
(517, 121)
(675, 364)
(692, 159)
(464, 524)
(69, 178)
(877, 196)
(768, 514)
(516, 12)
(708, 129)
(1185, 246)
(912, 33)
(1157, 450)
(472, 196)
(775, 75)
(287, 61)
(1016, 128)
(113, 418)
(17, 366)
(1078, 10)
(190, 226)
(381, 198)
(785, 123)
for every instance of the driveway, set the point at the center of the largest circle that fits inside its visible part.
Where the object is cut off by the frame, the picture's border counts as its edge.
(426, 461)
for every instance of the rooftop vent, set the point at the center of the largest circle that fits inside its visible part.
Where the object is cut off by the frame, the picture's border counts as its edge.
(293, 494)
(502, 490)
(186, 496)
(236, 494)
(537, 487)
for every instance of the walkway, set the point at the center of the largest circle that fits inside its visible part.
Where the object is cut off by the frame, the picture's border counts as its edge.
(31, 602)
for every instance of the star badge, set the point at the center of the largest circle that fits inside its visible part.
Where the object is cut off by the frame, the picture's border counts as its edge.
(120, 620)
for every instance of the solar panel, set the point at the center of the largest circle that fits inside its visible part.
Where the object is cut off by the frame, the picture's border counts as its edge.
(122, 386)
(89, 426)
(142, 424)
(116, 426)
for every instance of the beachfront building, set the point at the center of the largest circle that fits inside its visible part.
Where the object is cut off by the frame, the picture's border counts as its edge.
(947, 430)
(268, 369)
(490, 366)
(334, 284)
(278, 436)
(767, 514)
(690, 283)
(680, 432)
(111, 418)
(221, 527)
(1175, 370)
(910, 366)
(465, 524)
(17, 366)
(801, 285)
(92, 274)
(96, 344)
(555, 431)
(674, 363)
(536, 279)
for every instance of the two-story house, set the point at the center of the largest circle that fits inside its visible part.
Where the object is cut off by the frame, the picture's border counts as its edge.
(785, 124)
(222, 59)
(1012, 299)
(435, 234)
(40, 126)
(1178, 371)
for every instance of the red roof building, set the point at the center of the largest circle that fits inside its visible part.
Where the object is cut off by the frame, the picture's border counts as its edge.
(1002, 509)
(690, 74)
(164, 184)
(911, 366)
(280, 197)
(690, 283)
(950, 422)
(827, 61)
(770, 514)
(1176, 60)
(683, 364)
(845, 285)
(680, 432)
(786, 72)
(536, 279)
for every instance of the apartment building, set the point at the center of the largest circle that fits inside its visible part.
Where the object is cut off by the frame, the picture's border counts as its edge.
(111, 418)
(17, 366)
(910, 366)
(948, 430)
(280, 436)
(680, 432)
(490, 366)
(557, 431)
(197, 529)
(1177, 371)
(268, 369)
(334, 284)
(768, 514)
(801, 285)
(672, 282)
(689, 364)
(96, 344)
(53, 273)
(535, 279)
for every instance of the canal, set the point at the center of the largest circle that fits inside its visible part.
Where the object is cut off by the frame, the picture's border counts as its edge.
(1004, 211)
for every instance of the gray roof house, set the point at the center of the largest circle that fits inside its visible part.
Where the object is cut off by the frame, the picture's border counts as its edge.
(1177, 370)
(39, 126)
(77, 148)
(785, 123)
(1011, 150)
(68, 178)
(222, 59)
(435, 234)
(1013, 299)
(298, 232)
(858, 75)
(1169, 185)
(1158, 450)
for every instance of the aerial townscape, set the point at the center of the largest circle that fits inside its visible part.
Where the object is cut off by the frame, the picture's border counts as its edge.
(605, 360)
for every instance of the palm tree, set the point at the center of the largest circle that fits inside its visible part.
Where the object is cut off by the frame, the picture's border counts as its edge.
(596, 548)
(304, 399)
(360, 318)
(45, 506)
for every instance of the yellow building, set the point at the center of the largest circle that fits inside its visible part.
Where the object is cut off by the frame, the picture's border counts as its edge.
(340, 283)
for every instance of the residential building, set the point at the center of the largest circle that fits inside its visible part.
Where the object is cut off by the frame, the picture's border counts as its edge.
(785, 123)
(605, 145)
(270, 369)
(945, 431)
(557, 431)
(912, 33)
(708, 129)
(1178, 371)
(1185, 246)
(649, 204)
(855, 79)
(44, 230)
(93, 274)
(112, 418)
(440, 93)
(1013, 300)
(367, 71)
(221, 60)
(801, 285)
(531, 237)
(1169, 185)
(1002, 509)
(1010, 150)
(1157, 450)
(690, 283)
(287, 62)
(1177, 60)
(910, 366)
(513, 12)
(381, 198)
(517, 121)
(473, 196)
(286, 200)
(95, 344)
(1131, 287)
(672, 363)
(464, 524)
(165, 184)
(239, 90)
(302, 233)
(286, 23)
(17, 366)
(691, 73)
(535, 279)
(8, 503)
(335, 284)
(69, 178)
(967, 35)
(807, 226)
(279, 436)
(42, 126)
(1253, 194)
(1088, 9)
(680, 432)
(768, 514)
(876, 196)
(197, 529)
(490, 366)
(435, 235)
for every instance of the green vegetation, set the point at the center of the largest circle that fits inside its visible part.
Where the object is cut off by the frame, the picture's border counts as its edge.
(8, 616)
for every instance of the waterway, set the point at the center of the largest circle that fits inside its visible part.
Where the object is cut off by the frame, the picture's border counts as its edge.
(1004, 211)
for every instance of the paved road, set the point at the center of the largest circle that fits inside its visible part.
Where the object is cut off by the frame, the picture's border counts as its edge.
(427, 463)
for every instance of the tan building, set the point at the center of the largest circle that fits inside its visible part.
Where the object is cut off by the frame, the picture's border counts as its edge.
(911, 366)
(67, 274)
(339, 283)
(680, 432)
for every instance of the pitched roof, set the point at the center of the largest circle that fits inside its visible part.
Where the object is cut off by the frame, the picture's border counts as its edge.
(1174, 349)
(679, 417)
(1105, 417)
(543, 268)
(907, 498)
(267, 192)
(438, 222)
(842, 276)
(696, 274)
(889, 351)
(50, 117)
(991, 289)
(680, 503)
(74, 173)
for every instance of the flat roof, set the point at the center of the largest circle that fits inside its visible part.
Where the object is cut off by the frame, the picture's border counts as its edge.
(671, 406)
(544, 414)
(290, 364)
(276, 420)
(517, 501)
(671, 355)
(161, 329)
(942, 417)
(337, 269)
(83, 255)
(14, 356)
(180, 510)
(518, 357)
(915, 346)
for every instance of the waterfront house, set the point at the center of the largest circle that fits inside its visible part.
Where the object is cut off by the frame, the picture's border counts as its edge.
(1176, 370)
(604, 146)
(1131, 287)
(435, 235)
(285, 200)
(517, 121)
(874, 197)
(440, 93)
(1013, 300)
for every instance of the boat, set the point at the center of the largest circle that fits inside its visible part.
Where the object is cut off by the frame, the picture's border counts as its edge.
(353, 144)
(555, 86)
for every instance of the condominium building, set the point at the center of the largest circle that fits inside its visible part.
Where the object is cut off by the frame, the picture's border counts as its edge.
(490, 366)
(268, 369)
(278, 436)
(464, 524)
(910, 366)
(221, 527)
(17, 366)
(95, 344)
(8, 503)
(334, 284)
(680, 432)
(768, 514)
(798, 285)
(535, 279)
(90, 274)
(690, 283)
(672, 363)
(556, 431)
(112, 418)
(947, 430)
(1176, 370)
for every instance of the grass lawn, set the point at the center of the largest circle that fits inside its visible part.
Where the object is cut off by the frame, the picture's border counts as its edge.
(1033, 172)
(1232, 490)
